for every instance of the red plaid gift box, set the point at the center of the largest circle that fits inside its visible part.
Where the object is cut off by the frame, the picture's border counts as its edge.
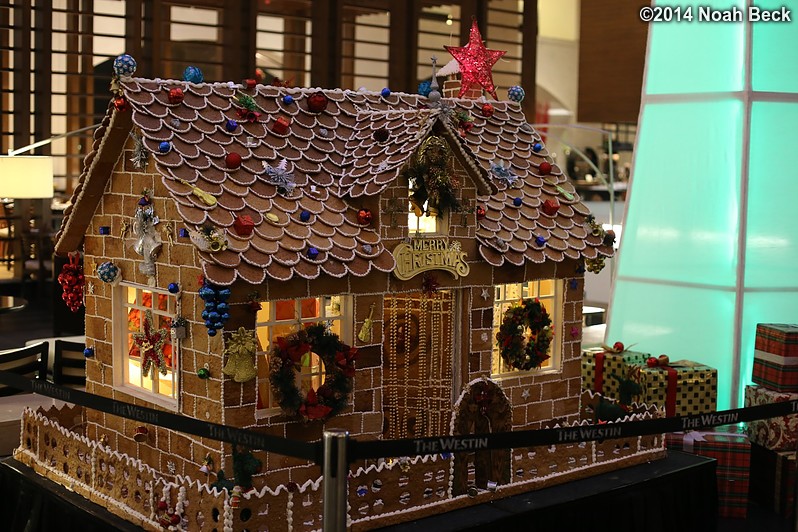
(776, 357)
(773, 479)
(733, 453)
(778, 433)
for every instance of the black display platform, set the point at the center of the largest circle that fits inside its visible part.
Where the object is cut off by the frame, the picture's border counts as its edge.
(32, 503)
(678, 493)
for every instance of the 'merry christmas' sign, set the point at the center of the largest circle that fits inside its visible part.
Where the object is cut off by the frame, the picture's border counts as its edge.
(422, 254)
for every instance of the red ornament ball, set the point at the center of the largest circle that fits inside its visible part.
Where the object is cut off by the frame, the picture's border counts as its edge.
(175, 519)
(480, 212)
(250, 83)
(364, 217)
(618, 346)
(162, 506)
(176, 95)
(664, 360)
(317, 102)
(232, 160)
(487, 110)
(121, 104)
(545, 167)
(652, 362)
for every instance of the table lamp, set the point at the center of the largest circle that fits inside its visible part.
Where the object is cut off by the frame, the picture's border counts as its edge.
(26, 177)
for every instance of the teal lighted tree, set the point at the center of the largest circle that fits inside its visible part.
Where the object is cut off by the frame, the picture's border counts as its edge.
(709, 248)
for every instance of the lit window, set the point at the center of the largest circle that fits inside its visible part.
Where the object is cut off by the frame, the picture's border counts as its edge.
(549, 293)
(422, 224)
(139, 304)
(282, 318)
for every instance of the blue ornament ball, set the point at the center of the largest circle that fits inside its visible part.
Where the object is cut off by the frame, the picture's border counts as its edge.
(231, 125)
(537, 147)
(193, 74)
(208, 323)
(313, 253)
(205, 314)
(540, 240)
(517, 202)
(424, 88)
(88, 352)
(288, 99)
(165, 146)
(516, 93)
(304, 216)
(222, 307)
(223, 294)
(107, 272)
(225, 316)
(124, 65)
(211, 332)
(218, 325)
(173, 288)
(385, 92)
(213, 316)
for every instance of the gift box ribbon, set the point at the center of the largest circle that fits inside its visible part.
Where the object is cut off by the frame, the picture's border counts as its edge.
(775, 359)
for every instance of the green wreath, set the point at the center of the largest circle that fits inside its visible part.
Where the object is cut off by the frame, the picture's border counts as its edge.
(516, 350)
(288, 356)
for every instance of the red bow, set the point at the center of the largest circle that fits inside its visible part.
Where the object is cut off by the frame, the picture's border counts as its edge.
(292, 351)
(311, 409)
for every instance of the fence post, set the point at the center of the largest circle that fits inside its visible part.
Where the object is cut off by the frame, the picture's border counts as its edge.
(336, 469)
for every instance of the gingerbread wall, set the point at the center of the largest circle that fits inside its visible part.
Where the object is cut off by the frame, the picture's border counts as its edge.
(176, 263)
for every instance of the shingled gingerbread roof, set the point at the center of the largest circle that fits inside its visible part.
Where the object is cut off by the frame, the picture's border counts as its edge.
(334, 156)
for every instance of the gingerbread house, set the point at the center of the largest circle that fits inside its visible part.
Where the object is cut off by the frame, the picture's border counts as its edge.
(238, 238)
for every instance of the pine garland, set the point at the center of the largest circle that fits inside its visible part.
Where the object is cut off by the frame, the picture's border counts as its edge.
(432, 179)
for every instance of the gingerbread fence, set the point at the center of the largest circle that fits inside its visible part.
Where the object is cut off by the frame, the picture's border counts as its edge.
(378, 494)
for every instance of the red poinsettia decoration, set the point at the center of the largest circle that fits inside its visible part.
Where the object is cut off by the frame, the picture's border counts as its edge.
(346, 361)
(292, 351)
(311, 409)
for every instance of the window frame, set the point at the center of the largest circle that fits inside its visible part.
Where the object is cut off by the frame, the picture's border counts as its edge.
(346, 319)
(119, 332)
(557, 314)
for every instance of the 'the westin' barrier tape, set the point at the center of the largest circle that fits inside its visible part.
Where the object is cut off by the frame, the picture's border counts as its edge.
(406, 447)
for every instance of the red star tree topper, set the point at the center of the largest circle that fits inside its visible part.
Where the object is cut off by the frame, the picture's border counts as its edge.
(150, 343)
(476, 62)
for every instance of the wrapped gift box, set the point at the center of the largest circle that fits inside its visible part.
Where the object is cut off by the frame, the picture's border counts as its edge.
(784, 492)
(773, 479)
(599, 366)
(733, 453)
(776, 357)
(682, 388)
(778, 433)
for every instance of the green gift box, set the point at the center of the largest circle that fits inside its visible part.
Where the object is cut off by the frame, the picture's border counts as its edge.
(601, 366)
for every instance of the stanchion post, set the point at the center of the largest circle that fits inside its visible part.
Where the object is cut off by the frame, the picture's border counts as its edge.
(335, 472)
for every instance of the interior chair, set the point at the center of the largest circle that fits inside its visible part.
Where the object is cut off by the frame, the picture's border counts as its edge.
(29, 361)
(69, 364)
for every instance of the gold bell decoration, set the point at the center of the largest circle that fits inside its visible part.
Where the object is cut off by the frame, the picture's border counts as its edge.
(241, 348)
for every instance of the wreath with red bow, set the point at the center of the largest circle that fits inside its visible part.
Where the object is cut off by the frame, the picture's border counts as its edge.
(288, 356)
(518, 351)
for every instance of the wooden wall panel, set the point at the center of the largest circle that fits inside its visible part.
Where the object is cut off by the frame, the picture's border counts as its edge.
(612, 51)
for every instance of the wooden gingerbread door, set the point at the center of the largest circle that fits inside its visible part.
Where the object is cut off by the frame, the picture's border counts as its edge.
(417, 367)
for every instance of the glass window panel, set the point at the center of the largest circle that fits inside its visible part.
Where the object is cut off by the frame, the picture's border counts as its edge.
(263, 313)
(546, 287)
(775, 45)
(285, 310)
(771, 239)
(310, 308)
(715, 51)
(667, 234)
